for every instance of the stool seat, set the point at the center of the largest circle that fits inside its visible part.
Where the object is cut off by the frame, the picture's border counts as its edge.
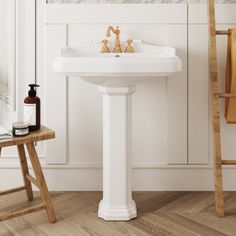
(42, 134)
(39, 181)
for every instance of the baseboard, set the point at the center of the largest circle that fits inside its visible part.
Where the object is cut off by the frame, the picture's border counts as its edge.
(145, 177)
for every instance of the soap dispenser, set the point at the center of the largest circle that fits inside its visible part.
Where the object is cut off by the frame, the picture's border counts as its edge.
(32, 109)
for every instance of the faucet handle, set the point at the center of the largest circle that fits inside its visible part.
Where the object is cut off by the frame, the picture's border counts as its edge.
(105, 48)
(129, 48)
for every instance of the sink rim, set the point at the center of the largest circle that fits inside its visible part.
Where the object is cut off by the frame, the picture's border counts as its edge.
(102, 68)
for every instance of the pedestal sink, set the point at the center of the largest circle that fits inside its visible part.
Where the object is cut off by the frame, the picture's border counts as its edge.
(116, 75)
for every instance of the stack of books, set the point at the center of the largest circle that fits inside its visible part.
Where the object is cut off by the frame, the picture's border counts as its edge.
(4, 134)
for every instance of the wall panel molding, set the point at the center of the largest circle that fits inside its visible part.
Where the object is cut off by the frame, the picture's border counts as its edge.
(116, 14)
(69, 25)
(162, 178)
(225, 13)
(56, 94)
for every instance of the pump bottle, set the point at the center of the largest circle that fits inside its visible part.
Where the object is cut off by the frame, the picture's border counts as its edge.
(32, 109)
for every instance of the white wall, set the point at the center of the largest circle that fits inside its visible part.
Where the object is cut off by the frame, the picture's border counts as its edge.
(7, 61)
(25, 69)
(154, 104)
(171, 144)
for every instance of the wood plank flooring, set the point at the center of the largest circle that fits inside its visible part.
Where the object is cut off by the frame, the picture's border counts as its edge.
(159, 213)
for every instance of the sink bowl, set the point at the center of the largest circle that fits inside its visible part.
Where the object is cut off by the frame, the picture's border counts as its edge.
(116, 75)
(89, 64)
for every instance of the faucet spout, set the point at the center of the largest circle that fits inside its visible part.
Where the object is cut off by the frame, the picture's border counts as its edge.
(108, 34)
(116, 31)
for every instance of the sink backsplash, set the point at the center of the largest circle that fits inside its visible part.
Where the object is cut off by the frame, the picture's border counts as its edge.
(137, 1)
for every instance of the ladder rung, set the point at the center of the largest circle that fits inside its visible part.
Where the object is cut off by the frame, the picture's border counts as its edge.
(222, 32)
(228, 162)
(23, 212)
(227, 95)
(14, 190)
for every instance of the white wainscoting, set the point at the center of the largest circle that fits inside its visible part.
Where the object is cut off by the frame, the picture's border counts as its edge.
(200, 147)
(158, 105)
(171, 128)
(25, 68)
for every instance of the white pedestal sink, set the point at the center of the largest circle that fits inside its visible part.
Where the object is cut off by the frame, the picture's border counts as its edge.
(116, 75)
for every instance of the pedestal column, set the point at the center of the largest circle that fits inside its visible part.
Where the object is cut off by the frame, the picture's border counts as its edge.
(117, 202)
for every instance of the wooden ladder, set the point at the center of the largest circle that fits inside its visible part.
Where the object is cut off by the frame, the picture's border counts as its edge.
(215, 110)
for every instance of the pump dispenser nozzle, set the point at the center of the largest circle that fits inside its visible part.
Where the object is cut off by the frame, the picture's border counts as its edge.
(32, 91)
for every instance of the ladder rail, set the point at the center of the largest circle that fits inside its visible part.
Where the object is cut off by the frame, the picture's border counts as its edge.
(215, 109)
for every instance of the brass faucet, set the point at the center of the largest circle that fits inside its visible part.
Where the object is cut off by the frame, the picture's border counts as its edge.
(116, 31)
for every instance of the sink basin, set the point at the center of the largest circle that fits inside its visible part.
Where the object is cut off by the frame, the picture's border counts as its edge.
(116, 75)
(88, 63)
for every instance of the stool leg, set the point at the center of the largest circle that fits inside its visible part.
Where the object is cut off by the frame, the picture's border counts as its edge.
(25, 171)
(41, 182)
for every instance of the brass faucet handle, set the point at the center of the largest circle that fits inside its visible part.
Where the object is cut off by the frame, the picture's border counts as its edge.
(129, 48)
(105, 48)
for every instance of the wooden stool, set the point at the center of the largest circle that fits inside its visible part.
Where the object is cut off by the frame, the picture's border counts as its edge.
(38, 181)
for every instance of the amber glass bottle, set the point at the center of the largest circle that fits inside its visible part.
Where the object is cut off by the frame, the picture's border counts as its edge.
(32, 109)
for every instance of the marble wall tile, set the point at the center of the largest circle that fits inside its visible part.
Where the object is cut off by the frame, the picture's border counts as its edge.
(137, 1)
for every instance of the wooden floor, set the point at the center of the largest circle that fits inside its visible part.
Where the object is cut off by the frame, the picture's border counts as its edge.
(159, 213)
